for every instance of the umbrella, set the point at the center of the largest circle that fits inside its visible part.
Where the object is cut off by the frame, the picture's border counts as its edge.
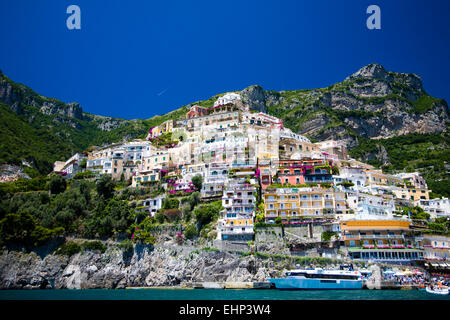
(407, 273)
(389, 271)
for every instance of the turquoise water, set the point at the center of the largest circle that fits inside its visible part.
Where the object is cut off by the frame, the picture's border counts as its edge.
(211, 294)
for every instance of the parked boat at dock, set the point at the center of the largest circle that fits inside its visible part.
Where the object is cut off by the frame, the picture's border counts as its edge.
(318, 279)
(437, 290)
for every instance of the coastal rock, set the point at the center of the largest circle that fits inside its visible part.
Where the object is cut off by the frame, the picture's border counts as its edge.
(148, 266)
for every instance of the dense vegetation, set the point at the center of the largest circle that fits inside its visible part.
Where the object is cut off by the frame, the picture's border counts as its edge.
(32, 212)
(427, 153)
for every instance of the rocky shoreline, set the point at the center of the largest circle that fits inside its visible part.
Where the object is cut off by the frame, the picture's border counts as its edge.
(115, 269)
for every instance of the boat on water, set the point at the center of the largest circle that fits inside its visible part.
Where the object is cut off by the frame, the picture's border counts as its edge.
(318, 279)
(437, 290)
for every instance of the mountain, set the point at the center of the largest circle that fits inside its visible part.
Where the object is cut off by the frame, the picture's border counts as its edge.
(41, 130)
(386, 118)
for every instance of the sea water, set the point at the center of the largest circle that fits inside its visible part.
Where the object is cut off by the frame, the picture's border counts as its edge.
(218, 294)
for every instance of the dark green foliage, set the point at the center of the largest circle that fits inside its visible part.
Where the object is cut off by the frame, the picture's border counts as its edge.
(346, 184)
(267, 225)
(57, 184)
(23, 185)
(426, 153)
(197, 181)
(69, 248)
(143, 232)
(439, 227)
(22, 228)
(105, 186)
(126, 246)
(160, 217)
(94, 246)
(170, 203)
(415, 213)
(326, 235)
(207, 213)
(424, 103)
(84, 175)
(108, 219)
(190, 232)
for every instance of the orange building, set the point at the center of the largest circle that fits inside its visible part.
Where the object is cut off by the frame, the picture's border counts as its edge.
(389, 240)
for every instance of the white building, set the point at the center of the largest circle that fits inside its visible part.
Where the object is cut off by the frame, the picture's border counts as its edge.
(230, 97)
(369, 206)
(236, 223)
(414, 178)
(357, 176)
(150, 205)
(436, 207)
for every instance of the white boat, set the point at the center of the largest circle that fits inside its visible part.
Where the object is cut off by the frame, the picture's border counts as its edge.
(437, 290)
(318, 279)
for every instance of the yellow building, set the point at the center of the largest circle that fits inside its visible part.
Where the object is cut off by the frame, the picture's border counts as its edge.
(377, 177)
(290, 147)
(285, 205)
(293, 203)
(163, 128)
(412, 194)
(158, 160)
(145, 177)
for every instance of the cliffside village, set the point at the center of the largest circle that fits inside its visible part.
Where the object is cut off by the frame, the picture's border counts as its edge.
(264, 172)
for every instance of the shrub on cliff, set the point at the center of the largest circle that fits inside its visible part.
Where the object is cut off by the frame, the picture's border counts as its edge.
(190, 232)
(93, 246)
(207, 213)
(126, 246)
(69, 248)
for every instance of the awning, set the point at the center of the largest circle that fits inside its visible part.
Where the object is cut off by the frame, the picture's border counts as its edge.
(435, 264)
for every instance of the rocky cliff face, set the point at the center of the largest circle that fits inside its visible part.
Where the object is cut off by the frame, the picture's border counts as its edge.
(145, 266)
(16, 96)
(371, 103)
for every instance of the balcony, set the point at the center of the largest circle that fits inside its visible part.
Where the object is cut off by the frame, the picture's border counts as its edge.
(381, 236)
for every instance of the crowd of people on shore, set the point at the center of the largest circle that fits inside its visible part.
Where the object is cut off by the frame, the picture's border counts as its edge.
(416, 278)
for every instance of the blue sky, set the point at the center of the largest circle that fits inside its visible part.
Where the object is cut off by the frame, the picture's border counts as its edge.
(135, 59)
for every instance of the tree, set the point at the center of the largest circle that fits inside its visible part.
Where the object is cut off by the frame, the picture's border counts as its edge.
(207, 213)
(159, 217)
(190, 232)
(57, 184)
(170, 203)
(105, 186)
(197, 181)
(83, 163)
(22, 228)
